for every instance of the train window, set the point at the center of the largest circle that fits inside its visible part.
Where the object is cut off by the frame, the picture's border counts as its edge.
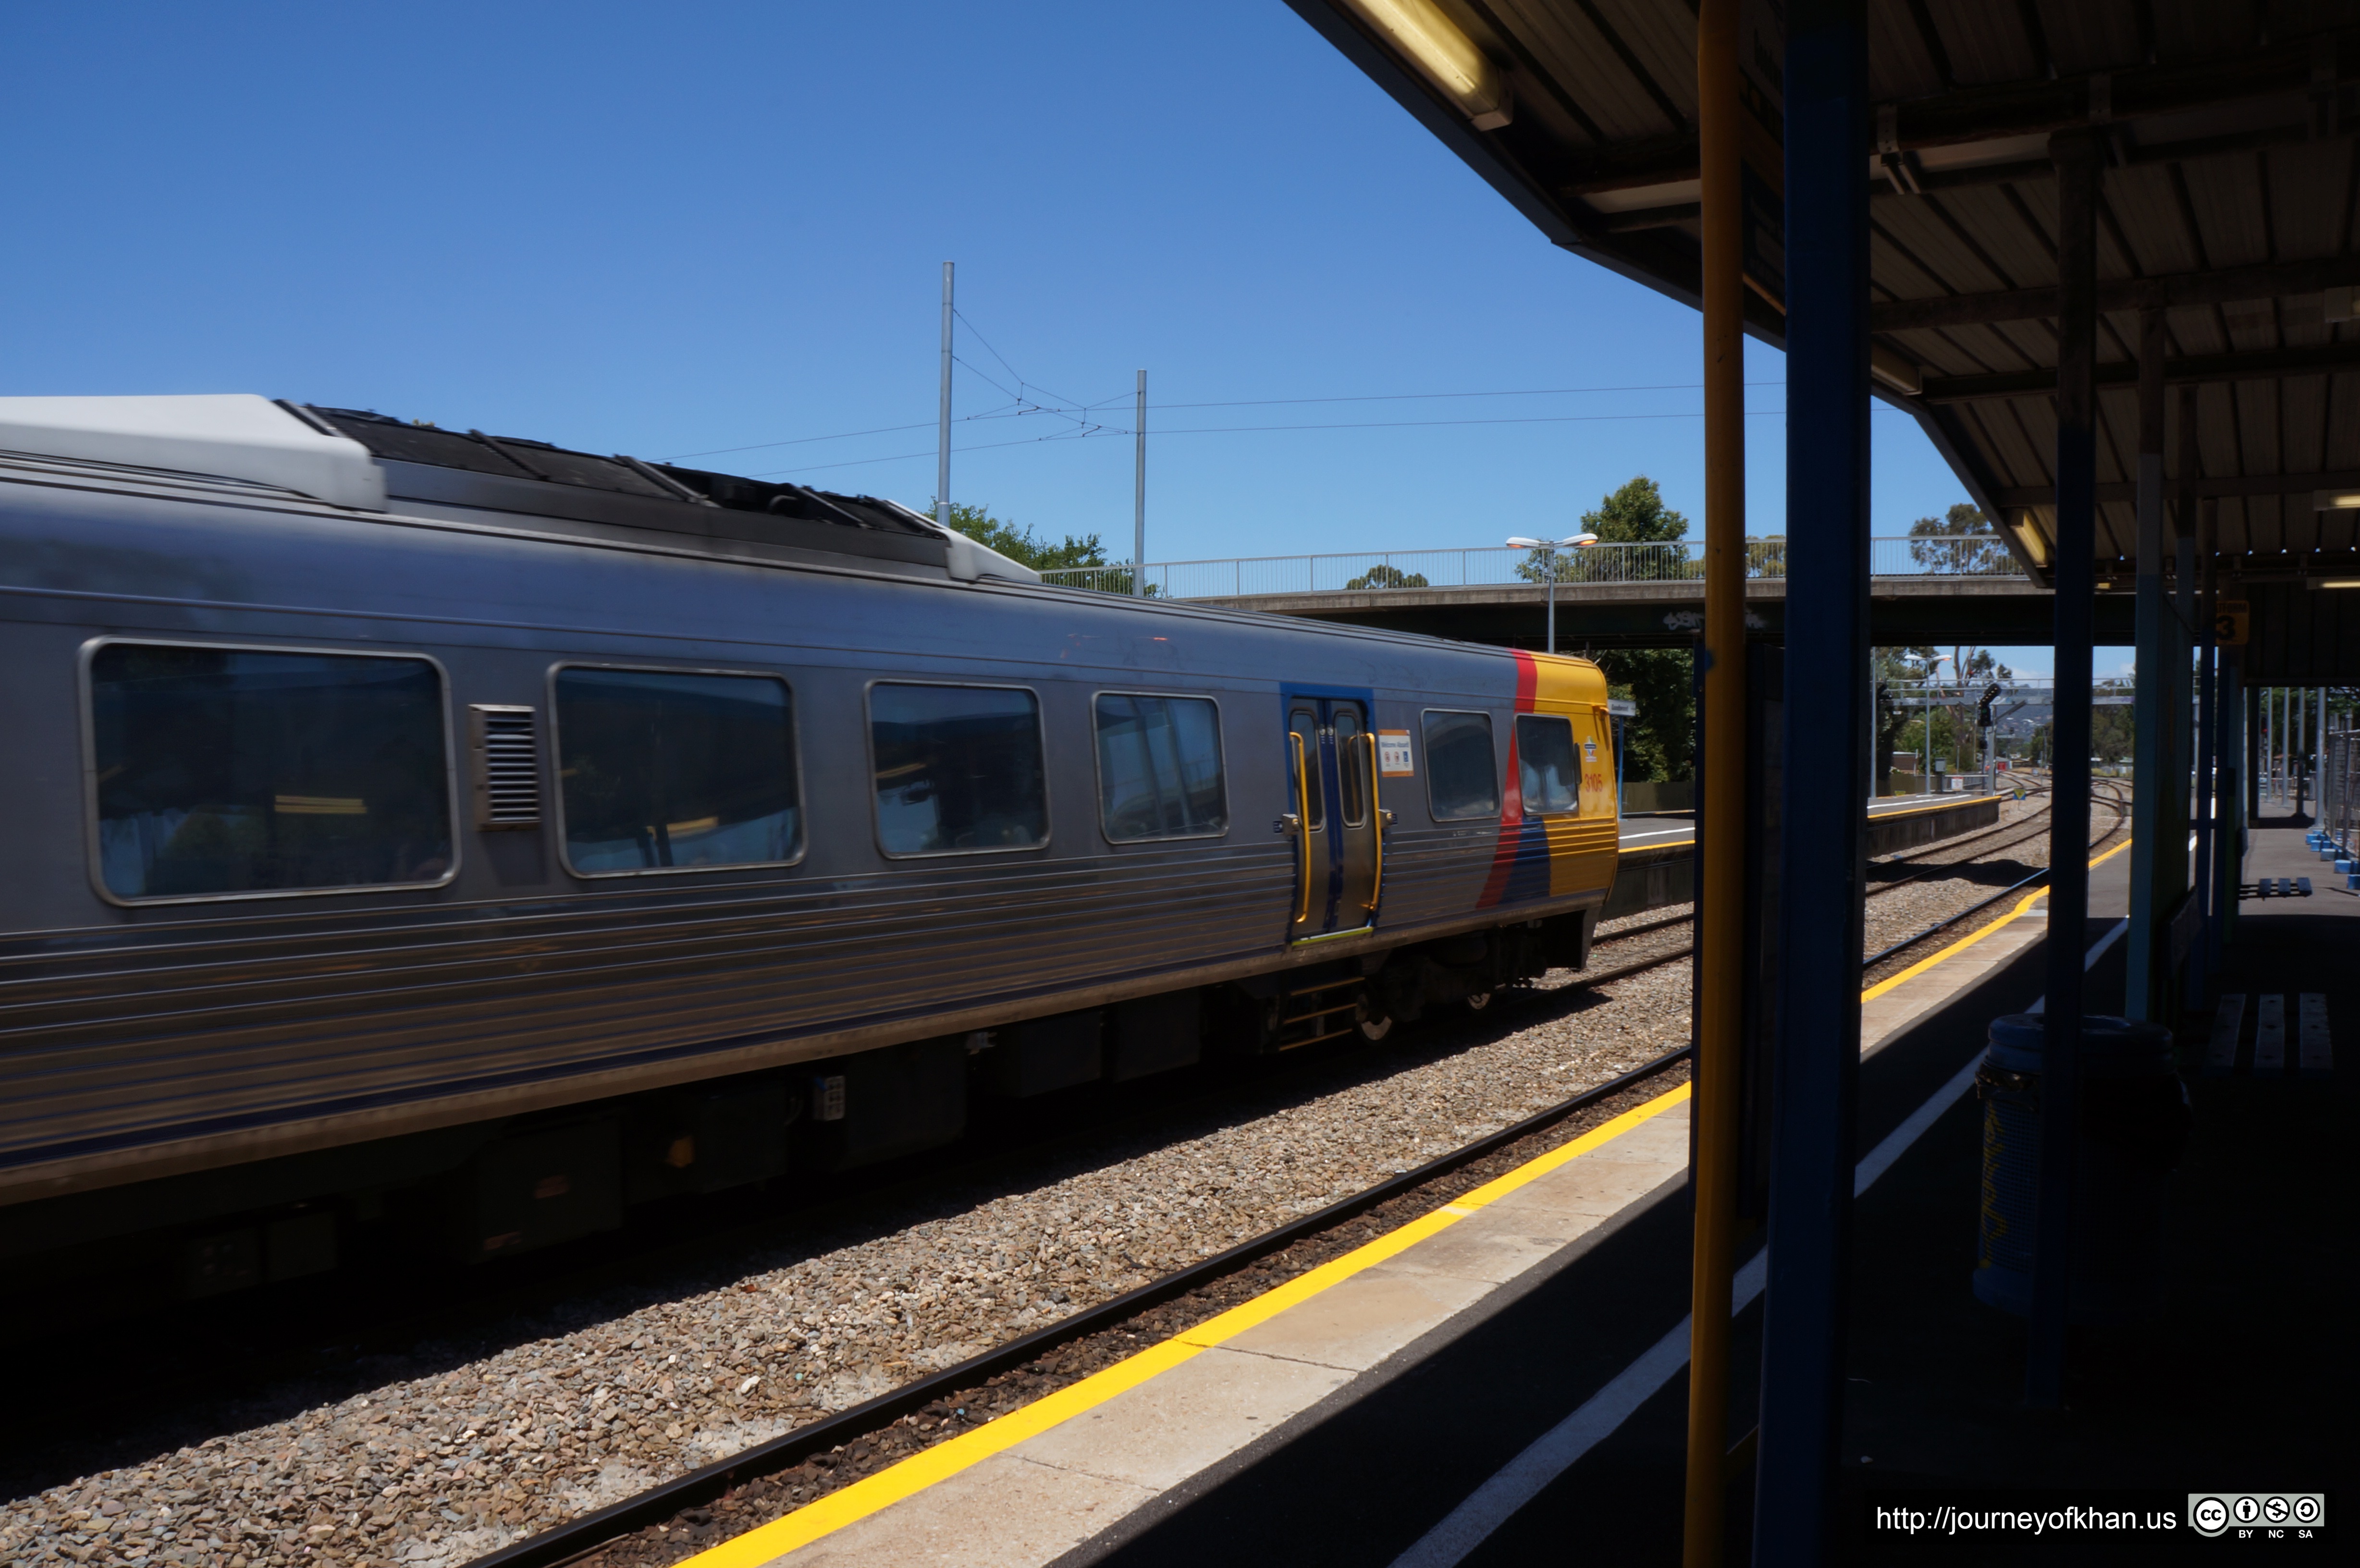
(1548, 770)
(1312, 793)
(1160, 768)
(674, 770)
(958, 769)
(1351, 765)
(235, 772)
(1460, 777)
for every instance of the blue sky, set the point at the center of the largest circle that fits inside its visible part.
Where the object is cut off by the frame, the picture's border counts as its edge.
(676, 230)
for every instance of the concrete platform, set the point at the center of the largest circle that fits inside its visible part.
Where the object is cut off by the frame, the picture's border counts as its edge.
(1344, 1415)
(2245, 1379)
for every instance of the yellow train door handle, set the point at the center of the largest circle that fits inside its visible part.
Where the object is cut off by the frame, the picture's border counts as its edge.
(1376, 820)
(1303, 818)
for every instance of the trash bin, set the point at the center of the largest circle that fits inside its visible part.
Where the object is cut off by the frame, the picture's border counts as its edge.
(2134, 1126)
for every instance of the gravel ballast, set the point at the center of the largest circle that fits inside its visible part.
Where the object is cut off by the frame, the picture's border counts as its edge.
(612, 1396)
(451, 1456)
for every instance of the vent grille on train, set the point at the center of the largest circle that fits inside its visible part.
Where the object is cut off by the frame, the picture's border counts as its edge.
(507, 755)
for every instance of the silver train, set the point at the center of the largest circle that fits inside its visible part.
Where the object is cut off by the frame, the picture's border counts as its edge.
(405, 818)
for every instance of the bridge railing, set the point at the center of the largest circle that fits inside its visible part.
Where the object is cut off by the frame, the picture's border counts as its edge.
(1963, 555)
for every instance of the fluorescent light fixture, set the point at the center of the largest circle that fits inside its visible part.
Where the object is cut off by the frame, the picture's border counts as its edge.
(1447, 56)
(1900, 374)
(2035, 542)
(2336, 500)
(2336, 581)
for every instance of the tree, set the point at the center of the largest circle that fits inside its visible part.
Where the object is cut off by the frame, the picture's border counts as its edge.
(1766, 555)
(1982, 663)
(1896, 670)
(1383, 576)
(1634, 514)
(1660, 743)
(1023, 546)
(1961, 540)
(2112, 734)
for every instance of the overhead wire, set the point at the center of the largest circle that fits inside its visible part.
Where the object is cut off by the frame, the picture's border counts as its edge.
(1025, 405)
(1021, 405)
(1249, 430)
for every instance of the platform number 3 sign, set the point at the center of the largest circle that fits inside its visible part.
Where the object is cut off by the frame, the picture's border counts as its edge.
(2230, 617)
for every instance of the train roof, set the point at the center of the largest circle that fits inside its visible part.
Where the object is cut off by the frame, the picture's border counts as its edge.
(366, 461)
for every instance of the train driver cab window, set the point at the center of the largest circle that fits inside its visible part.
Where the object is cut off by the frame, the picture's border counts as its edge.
(958, 769)
(1548, 769)
(670, 771)
(1461, 779)
(1160, 768)
(234, 772)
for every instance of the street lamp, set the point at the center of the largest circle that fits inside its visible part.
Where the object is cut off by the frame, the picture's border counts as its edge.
(1548, 550)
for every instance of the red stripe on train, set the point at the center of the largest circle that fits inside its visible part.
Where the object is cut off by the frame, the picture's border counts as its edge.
(1512, 798)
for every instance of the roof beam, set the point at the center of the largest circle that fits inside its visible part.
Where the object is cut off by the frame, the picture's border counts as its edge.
(2264, 365)
(2170, 291)
(2025, 108)
(2244, 484)
(2023, 171)
(2018, 108)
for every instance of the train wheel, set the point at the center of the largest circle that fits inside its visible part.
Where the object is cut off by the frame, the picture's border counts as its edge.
(1475, 1002)
(1373, 1026)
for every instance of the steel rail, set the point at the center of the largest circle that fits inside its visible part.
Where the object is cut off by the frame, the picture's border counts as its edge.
(573, 1538)
(1655, 961)
(1896, 858)
(1874, 959)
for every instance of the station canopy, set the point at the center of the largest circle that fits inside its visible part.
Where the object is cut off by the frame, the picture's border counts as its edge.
(2227, 202)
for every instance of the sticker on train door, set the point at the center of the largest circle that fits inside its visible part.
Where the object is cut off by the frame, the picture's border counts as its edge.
(1392, 755)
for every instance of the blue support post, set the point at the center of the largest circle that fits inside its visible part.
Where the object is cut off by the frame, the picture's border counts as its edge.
(2078, 163)
(1823, 863)
(2156, 853)
(2203, 958)
(2239, 738)
(2184, 642)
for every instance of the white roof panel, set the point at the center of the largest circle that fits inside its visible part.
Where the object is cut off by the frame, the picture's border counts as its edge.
(232, 435)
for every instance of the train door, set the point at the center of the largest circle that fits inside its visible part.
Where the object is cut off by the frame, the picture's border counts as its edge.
(1332, 763)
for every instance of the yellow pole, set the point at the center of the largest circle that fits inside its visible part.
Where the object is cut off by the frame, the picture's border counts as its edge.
(1720, 972)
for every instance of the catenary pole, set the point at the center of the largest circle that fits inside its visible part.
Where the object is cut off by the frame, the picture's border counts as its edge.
(942, 435)
(1139, 500)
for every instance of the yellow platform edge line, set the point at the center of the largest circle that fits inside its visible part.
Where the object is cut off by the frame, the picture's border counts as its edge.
(874, 1493)
(2022, 906)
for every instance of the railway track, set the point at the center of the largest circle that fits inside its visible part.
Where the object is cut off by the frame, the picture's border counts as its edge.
(547, 1297)
(2106, 793)
(796, 1468)
(887, 1424)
